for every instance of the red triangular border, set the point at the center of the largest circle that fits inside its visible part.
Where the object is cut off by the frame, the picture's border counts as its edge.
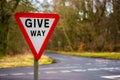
(37, 56)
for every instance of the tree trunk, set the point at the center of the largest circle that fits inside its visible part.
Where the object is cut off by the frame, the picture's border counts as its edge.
(68, 40)
(3, 37)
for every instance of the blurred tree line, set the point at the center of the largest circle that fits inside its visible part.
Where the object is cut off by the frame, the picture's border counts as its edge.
(85, 25)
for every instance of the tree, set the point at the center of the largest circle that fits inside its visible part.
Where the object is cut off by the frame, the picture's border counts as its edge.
(81, 22)
(113, 28)
(7, 9)
(6, 12)
(87, 24)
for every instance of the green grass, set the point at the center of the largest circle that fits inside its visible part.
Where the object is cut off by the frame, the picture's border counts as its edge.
(22, 60)
(105, 55)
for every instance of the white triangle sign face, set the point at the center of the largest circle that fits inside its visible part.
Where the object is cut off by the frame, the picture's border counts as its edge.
(37, 29)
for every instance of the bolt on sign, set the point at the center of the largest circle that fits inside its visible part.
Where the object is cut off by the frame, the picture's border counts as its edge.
(37, 29)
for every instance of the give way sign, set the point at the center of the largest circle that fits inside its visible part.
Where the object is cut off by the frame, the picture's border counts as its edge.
(37, 29)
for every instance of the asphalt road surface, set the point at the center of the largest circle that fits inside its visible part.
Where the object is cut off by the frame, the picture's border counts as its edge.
(68, 68)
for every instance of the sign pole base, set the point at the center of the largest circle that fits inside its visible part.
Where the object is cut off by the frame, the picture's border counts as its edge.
(35, 69)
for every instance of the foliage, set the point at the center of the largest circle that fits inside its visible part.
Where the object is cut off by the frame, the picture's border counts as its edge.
(16, 42)
(10, 37)
(87, 24)
(21, 60)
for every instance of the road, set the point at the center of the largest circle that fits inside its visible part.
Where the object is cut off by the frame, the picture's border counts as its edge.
(68, 68)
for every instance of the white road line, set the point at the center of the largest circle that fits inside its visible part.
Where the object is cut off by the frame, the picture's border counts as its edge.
(57, 68)
(30, 73)
(3, 74)
(50, 72)
(93, 69)
(65, 71)
(17, 74)
(112, 77)
(111, 68)
(79, 70)
(88, 64)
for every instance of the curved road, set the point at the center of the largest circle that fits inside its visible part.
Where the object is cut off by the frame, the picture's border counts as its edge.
(68, 68)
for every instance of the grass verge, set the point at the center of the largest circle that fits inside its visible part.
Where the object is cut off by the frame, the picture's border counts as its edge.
(22, 60)
(104, 55)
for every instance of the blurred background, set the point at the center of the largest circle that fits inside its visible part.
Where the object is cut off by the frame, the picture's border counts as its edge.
(85, 25)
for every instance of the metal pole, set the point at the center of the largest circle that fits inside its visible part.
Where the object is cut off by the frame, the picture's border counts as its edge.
(35, 69)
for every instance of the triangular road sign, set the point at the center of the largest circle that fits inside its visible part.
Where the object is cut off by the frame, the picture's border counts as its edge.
(37, 29)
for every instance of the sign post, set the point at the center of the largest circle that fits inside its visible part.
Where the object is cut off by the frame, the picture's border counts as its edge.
(37, 29)
(35, 69)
